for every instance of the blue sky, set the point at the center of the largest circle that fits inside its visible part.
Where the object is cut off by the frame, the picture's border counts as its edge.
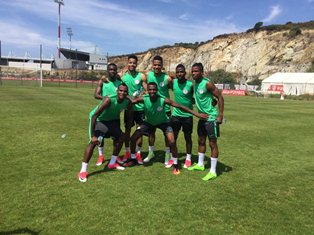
(122, 27)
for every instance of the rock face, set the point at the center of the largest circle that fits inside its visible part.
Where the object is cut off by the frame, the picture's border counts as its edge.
(252, 54)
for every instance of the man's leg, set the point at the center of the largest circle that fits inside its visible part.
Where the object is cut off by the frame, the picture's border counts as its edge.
(127, 146)
(134, 138)
(187, 128)
(199, 166)
(213, 133)
(127, 140)
(139, 144)
(188, 141)
(213, 160)
(102, 129)
(139, 118)
(169, 162)
(167, 151)
(117, 145)
(201, 131)
(167, 144)
(151, 142)
(173, 147)
(86, 158)
(101, 157)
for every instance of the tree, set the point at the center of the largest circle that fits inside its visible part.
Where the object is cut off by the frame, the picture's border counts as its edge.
(221, 76)
(258, 25)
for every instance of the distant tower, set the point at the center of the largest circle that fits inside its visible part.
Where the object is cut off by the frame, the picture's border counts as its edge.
(70, 34)
(59, 2)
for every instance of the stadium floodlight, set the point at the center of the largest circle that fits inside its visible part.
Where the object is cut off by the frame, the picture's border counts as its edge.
(70, 34)
(59, 2)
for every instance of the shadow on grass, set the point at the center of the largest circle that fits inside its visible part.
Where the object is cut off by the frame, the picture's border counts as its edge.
(20, 231)
(160, 158)
(221, 167)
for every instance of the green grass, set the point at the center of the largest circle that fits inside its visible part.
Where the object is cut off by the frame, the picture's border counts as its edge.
(60, 84)
(265, 183)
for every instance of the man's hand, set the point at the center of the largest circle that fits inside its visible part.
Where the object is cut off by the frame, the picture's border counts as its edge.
(219, 119)
(203, 116)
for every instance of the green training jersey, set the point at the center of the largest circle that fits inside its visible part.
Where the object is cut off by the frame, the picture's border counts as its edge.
(203, 99)
(114, 110)
(155, 112)
(161, 82)
(135, 86)
(183, 95)
(110, 88)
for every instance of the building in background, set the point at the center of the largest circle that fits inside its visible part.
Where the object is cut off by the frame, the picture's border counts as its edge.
(73, 59)
(81, 60)
(27, 62)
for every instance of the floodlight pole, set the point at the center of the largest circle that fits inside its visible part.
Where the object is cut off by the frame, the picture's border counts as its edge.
(59, 2)
(76, 68)
(41, 68)
(70, 34)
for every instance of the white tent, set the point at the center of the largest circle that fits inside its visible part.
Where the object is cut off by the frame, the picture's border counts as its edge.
(289, 83)
(309, 89)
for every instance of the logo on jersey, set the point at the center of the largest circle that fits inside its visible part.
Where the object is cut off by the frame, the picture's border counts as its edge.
(161, 84)
(159, 109)
(185, 91)
(137, 82)
(136, 93)
(201, 91)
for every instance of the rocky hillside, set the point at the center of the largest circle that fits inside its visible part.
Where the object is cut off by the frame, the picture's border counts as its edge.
(257, 53)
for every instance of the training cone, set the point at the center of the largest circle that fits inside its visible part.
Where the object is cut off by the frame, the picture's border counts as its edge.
(282, 97)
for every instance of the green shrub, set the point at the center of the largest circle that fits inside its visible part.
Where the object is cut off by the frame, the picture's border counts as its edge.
(311, 68)
(221, 76)
(294, 31)
(255, 81)
(258, 25)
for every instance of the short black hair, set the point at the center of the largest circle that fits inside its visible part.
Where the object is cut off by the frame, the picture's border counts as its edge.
(159, 58)
(180, 66)
(133, 56)
(123, 84)
(199, 65)
(112, 64)
(152, 83)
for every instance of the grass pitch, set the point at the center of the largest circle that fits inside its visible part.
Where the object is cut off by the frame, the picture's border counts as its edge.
(265, 183)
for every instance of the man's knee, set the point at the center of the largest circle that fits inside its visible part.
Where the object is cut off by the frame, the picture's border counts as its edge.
(137, 134)
(213, 143)
(201, 141)
(188, 137)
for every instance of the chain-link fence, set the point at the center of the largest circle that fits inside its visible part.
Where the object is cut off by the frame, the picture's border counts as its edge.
(56, 78)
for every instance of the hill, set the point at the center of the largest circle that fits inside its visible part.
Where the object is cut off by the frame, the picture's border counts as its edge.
(257, 53)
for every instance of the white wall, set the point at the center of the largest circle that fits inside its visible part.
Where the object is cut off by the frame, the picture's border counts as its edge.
(29, 65)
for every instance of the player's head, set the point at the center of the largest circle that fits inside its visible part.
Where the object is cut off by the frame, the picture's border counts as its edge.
(132, 62)
(157, 64)
(152, 89)
(180, 71)
(197, 71)
(112, 70)
(122, 91)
